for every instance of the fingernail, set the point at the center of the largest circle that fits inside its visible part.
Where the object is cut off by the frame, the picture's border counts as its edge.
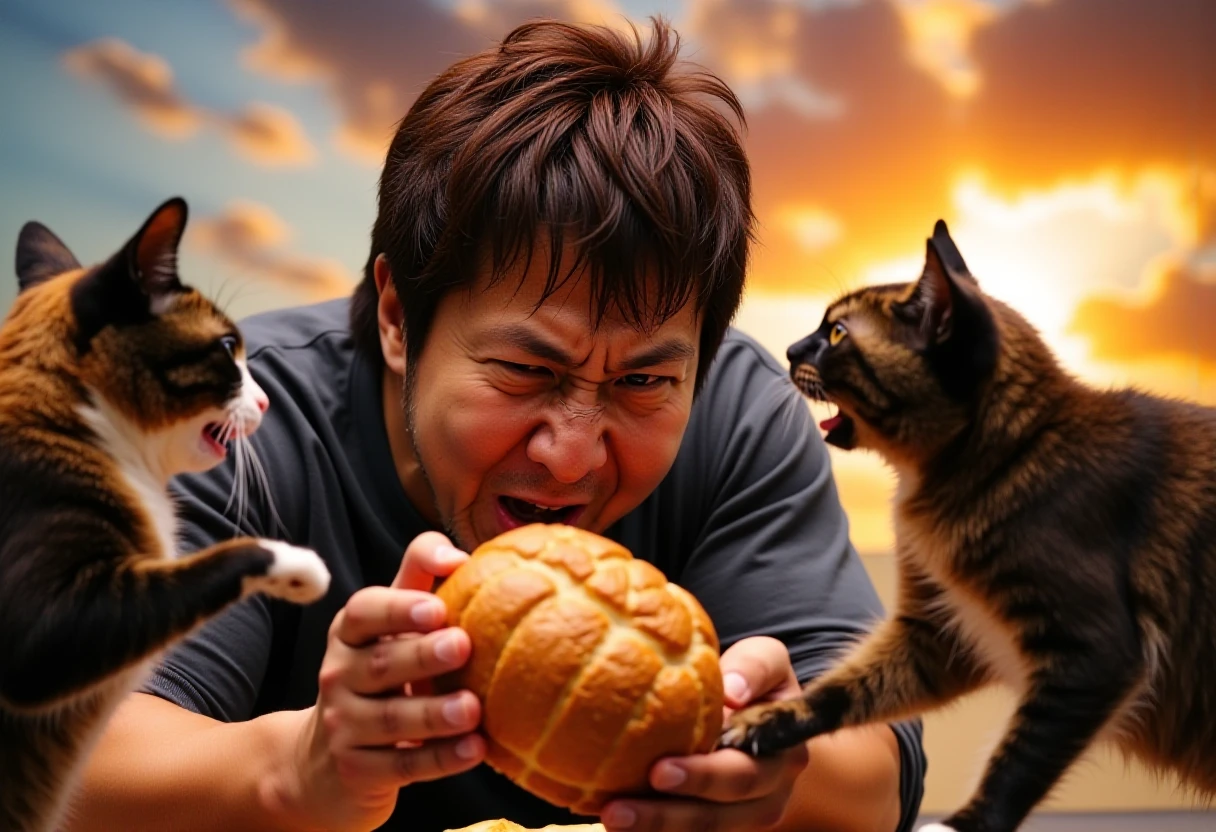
(669, 776)
(468, 747)
(447, 650)
(736, 687)
(449, 554)
(619, 816)
(427, 614)
(454, 711)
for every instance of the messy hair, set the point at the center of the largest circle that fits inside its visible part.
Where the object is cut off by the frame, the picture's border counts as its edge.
(583, 140)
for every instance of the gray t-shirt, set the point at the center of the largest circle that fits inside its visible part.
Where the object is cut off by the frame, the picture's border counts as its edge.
(748, 520)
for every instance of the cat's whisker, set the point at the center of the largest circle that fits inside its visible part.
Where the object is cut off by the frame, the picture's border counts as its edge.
(262, 482)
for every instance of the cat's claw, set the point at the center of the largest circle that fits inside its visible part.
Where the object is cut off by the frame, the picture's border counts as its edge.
(765, 730)
(297, 574)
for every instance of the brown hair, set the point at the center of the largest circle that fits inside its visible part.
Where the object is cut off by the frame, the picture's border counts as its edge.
(583, 137)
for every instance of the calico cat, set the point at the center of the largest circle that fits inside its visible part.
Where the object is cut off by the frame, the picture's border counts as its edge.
(112, 380)
(1051, 536)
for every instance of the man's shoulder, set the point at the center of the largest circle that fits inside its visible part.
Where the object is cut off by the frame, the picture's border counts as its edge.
(297, 327)
(741, 361)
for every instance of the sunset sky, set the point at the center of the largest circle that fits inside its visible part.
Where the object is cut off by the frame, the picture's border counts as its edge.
(1069, 144)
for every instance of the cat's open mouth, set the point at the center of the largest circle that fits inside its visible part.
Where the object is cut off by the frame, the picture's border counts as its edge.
(841, 431)
(214, 436)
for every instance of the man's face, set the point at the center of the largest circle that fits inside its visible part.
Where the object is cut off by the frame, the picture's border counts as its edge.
(520, 416)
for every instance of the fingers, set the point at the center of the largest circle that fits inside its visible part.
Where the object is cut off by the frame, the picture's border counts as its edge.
(363, 721)
(380, 611)
(388, 664)
(430, 555)
(726, 790)
(394, 767)
(757, 668)
(727, 776)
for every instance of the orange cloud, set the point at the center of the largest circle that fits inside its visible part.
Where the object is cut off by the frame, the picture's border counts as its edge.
(141, 81)
(1060, 90)
(754, 48)
(940, 33)
(1175, 322)
(375, 59)
(250, 237)
(262, 133)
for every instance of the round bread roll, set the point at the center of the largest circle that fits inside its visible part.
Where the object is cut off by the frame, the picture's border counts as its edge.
(589, 664)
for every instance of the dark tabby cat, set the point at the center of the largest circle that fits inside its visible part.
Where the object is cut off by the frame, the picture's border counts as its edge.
(112, 380)
(1050, 536)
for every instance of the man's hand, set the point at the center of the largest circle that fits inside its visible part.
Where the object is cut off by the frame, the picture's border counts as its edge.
(727, 789)
(372, 730)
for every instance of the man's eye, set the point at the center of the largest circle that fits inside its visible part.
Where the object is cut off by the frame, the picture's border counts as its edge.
(643, 381)
(529, 370)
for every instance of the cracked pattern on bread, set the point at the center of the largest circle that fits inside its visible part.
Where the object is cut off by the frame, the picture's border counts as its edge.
(589, 663)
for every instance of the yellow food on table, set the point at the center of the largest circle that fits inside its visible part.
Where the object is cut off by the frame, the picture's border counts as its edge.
(590, 665)
(508, 826)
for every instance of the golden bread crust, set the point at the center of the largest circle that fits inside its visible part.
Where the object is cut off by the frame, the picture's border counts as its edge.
(589, 664)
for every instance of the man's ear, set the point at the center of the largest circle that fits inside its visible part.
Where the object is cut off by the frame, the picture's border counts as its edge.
(390, 317)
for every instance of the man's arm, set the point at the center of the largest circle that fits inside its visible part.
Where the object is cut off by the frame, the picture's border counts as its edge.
(851, 784)
(159, 766)
(337, 765)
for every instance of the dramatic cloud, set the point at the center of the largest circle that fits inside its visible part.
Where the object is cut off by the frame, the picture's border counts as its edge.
(753, 47)
(142, 82)
(892, 100)
(261, 132)
(375, 57)
(1078, 85)
(1175, 322)
(940, 33)
(250, 237)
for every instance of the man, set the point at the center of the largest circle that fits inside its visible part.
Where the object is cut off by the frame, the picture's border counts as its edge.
(541, 334)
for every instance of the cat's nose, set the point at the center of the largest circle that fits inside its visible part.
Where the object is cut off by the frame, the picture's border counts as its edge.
(803, 352)
(262, 401)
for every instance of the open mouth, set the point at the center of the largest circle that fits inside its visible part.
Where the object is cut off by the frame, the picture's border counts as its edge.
(516, 512)
(841, 431)
(213, 437)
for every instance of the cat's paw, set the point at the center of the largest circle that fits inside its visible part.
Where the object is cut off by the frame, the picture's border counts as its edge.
(936, 827)
(763, 730)
(297, 575)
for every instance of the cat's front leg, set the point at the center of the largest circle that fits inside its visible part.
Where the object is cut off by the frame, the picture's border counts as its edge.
(118, 615)
(906, 666)
(295, 574)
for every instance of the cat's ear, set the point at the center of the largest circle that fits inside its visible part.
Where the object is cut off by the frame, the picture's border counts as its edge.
(933, 301)
(40, 256)
(151, 255)
(948, 257)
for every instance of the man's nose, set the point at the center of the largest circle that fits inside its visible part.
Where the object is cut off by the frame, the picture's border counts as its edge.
(570, 443)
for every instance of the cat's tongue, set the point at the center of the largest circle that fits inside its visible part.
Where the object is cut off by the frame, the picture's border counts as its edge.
(833, 423)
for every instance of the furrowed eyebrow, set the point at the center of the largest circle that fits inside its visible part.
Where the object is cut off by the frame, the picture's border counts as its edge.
(661, 353)
(528, 341)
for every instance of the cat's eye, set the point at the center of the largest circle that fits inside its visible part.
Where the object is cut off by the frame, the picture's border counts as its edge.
(228, 342)
(836, 333)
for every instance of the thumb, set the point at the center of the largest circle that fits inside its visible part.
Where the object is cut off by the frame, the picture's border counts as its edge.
(430, 555)
(757, 668)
